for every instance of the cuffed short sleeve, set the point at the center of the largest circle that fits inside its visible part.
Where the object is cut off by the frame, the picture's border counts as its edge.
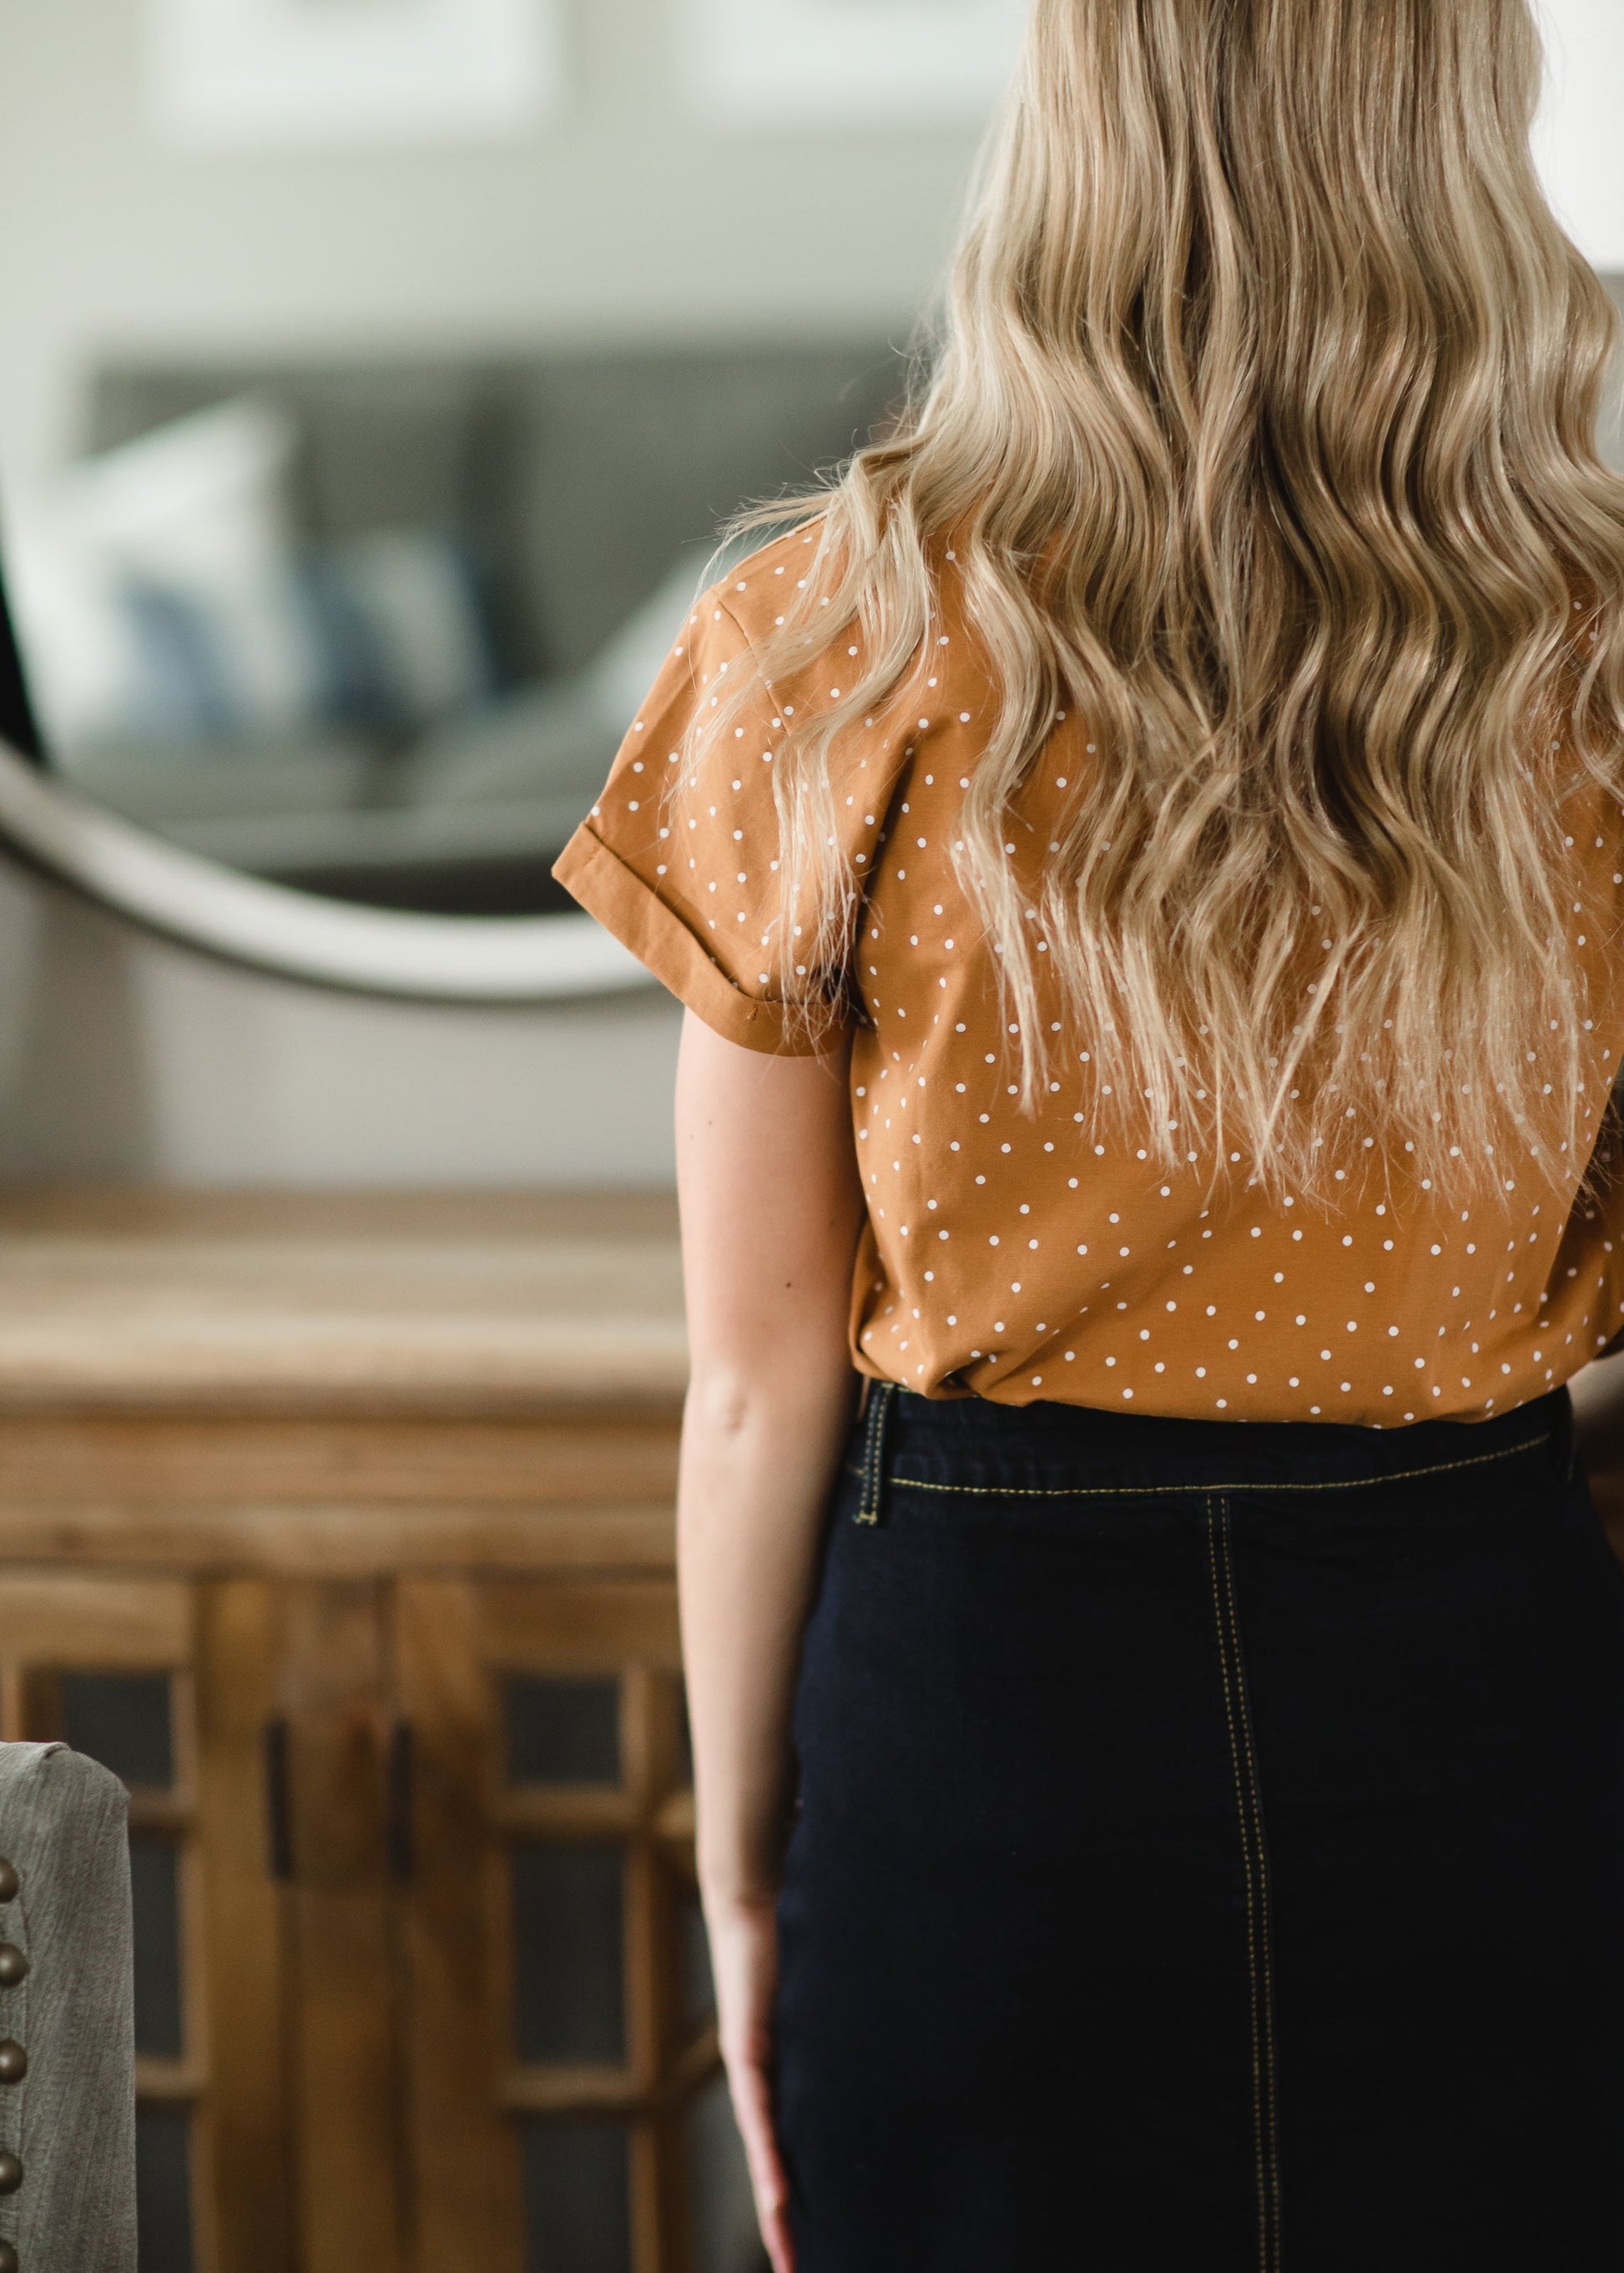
(690, 882)
(627, 905)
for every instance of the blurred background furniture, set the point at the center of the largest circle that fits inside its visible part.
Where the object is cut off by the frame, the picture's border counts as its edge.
(375, 629)
(67, 2052)
(342, 1531)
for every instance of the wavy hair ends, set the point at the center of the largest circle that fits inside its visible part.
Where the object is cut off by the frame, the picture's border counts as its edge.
(1262, 428)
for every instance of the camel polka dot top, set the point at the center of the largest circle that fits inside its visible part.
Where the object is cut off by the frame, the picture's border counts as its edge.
(1023, 1258)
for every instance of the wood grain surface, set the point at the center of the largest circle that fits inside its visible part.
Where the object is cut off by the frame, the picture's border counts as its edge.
(475, 1304)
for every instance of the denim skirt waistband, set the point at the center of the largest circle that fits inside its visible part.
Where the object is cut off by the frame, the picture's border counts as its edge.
(968, 1447)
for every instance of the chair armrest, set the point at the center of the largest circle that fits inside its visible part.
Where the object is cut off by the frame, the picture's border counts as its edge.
(70, 2117)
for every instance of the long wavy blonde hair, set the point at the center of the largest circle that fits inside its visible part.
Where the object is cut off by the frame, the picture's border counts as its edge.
(1263, 431)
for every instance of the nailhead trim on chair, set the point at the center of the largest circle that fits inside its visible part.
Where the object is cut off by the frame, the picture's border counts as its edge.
(13, 2059)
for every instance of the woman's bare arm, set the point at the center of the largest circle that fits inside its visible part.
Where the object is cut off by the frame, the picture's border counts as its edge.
(772, 1209)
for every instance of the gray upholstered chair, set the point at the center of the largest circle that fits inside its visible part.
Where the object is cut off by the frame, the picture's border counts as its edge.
(67, 2035)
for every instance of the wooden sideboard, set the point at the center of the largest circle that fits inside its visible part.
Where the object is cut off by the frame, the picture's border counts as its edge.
(342, 1529)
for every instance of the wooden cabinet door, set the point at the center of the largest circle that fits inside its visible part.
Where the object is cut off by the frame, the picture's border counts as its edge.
(420, 1977)
(169, 1684)
(557, 2012)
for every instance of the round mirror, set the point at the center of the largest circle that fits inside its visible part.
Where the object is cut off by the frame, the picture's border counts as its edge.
(359, 455)
(320, 664)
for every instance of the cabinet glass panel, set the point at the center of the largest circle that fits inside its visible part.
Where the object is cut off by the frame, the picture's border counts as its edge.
(155, 1891)
(568, 1912)
(576, 2213)
(163, 2189)
(696, 1991)
(562, 1732)
(123, 1721)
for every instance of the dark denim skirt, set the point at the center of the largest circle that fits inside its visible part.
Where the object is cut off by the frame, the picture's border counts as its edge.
(1209, 1853)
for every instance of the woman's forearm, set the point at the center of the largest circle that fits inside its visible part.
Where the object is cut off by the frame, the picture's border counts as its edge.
(759, 1455)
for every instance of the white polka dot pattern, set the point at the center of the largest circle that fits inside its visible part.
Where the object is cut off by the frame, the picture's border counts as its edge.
(1019, 1256)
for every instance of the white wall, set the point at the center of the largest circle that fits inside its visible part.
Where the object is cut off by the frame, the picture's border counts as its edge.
(1581, 149)
(120, 1056)
(124, 1057)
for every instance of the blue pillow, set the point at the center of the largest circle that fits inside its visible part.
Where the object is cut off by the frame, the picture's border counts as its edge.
(387, 634)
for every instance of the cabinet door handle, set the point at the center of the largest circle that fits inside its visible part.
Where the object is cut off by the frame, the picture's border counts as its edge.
(278, 1801)
(398, 1775)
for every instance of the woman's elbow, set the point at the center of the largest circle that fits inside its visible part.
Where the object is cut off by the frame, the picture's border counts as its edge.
(730, 1400)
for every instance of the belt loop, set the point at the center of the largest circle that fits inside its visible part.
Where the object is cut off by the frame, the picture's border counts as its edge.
(882, 1395)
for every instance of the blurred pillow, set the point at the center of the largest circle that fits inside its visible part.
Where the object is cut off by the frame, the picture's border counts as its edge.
(200, 508)
(206, 496)
(162, 601)
(402, 628)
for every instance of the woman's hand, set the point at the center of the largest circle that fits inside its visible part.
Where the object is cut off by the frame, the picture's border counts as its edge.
(744, 1959)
